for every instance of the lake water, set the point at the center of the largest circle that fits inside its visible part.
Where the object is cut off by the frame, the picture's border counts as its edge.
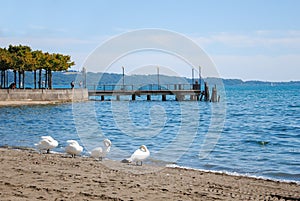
(260, 137)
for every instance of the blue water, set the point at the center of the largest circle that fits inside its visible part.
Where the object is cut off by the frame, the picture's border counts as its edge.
(260, 137)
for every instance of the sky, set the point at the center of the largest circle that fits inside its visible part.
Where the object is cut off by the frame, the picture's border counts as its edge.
(248, 40)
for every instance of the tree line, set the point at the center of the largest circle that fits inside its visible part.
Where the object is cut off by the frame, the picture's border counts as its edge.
(20, 59)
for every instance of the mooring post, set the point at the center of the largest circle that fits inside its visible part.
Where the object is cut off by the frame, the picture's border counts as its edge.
(148, 97)
(102, 98)
(163, 97)
(206, 92)
(133, 97)
(214, 94)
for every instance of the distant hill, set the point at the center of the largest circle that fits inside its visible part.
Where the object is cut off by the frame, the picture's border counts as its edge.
(65, 78)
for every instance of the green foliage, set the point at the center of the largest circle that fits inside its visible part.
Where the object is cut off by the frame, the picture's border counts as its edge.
(6, 60)
(22, 58)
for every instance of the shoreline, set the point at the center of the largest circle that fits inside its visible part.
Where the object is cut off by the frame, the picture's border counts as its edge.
(28, 175)
(235, 174)
(163, 165)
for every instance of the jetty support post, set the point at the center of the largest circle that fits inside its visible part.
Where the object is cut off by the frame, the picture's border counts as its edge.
(214, 97)
(163, 97)
(179, 97)
(148, 97)
(206, 92)
(193, 97)
(133, 97)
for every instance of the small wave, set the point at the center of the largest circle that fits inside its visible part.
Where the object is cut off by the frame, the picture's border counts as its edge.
(243, 175)
(294, 106)
(262, 143)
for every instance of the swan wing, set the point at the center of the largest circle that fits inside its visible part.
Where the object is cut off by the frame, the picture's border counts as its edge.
(74, 149)
(139, 155)
(97, 152)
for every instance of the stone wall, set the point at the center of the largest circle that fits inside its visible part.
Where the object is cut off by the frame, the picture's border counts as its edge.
(60, 95)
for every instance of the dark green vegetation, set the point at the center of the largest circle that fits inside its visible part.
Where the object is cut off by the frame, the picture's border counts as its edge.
(20, 59)
(63, 79)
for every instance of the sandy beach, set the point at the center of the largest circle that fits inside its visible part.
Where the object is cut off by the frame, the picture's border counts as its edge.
(28, 175)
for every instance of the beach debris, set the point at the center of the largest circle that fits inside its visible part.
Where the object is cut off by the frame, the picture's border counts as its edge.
(73, 148)
(100, 152)
(139, 155)
(46, 143)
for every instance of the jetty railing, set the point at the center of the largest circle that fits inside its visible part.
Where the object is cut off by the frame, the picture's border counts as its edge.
(180, 91)
(143, 87)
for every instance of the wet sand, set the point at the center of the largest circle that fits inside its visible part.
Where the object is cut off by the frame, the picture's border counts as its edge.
(28, 175)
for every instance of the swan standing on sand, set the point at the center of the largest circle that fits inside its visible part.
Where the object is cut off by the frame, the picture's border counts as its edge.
(139, 155)
(46, 143)
(100, 152)
(73, 148)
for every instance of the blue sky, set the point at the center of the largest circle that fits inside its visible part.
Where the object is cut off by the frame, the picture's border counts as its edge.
(250, 40)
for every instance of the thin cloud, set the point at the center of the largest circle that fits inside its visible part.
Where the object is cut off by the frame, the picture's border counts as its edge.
(259, 67)
(260, 38)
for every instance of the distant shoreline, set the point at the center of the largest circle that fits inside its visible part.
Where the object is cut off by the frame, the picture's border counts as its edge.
(63, 80)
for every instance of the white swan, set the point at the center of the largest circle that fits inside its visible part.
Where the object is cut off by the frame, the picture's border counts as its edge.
(46, 143)
(139, 155)
(100, 152)
(73, 148)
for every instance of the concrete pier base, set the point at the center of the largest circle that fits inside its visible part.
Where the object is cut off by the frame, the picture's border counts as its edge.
(58, 95)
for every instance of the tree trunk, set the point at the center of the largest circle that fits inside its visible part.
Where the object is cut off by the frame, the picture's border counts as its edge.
(23, 79)
(4, 78)
(19, 72)
(50, 79)
(46, 78)
(40, 78)
(1, 84)
(15, 77)
(34, 79)
(7, 79)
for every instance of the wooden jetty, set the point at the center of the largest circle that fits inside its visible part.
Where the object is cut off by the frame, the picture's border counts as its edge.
(180, 91)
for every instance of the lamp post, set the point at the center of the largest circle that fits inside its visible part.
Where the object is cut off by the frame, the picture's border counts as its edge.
(158, 78)
(84, 77)
(193, 75)
(200, 77)
(123, 77)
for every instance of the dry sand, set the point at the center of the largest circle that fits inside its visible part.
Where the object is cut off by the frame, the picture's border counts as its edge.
(28, 175)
